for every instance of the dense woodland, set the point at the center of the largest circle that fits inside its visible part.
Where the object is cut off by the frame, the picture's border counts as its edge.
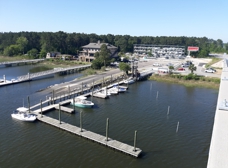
(37, 44)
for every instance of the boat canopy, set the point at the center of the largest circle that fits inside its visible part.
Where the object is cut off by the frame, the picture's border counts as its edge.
(22, 109)
(81, 97)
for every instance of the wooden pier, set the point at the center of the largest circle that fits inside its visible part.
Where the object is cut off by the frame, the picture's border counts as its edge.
(51, 107)
(11, 63)
(125, 148)
(42, 74)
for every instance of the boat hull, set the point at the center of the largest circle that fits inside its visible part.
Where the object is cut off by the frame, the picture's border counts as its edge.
(30, 118)
(82, 105)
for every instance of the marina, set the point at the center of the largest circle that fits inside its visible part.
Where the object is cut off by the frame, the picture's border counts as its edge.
(137, 109)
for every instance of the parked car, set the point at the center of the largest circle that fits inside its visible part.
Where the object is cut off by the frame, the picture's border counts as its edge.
(185, 65)
(169, 64)
(210, 70)
(181, 69)
(156, 64)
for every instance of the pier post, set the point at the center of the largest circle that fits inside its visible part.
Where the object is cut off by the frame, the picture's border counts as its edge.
(41, 113)
(135, 138)
(82, 87)
(107, 128)
(81, 120)
(93, 88)
(74, 103)
(53, 101)
(28, 104)
(177, 127)
(59, 114)
(168, 110)
(69, 95)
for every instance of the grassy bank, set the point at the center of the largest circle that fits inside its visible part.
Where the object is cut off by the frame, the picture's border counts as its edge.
(14, 58)
(188, 80)
(50, 63)
(53, 63)
(213, 61)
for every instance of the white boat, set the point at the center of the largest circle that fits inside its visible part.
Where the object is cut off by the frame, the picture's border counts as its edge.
(81, 102)
(120, 89)
(23, 114)
(113, 91)
(129, 81)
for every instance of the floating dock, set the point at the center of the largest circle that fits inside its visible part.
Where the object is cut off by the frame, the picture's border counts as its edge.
(125, 148)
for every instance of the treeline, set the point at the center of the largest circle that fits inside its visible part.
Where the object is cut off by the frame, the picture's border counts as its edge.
(37, 44)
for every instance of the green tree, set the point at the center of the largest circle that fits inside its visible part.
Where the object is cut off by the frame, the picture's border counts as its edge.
(22, 43)
(192, 68)
(171, 68)
(12, 50)
(97, 63)
(124, 67)
(33, 53)
(104, 54)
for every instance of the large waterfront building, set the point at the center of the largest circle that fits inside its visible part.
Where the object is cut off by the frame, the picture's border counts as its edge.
(171, 51)
(88, 52)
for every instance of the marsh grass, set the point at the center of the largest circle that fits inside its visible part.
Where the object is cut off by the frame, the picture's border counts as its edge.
(190, 80)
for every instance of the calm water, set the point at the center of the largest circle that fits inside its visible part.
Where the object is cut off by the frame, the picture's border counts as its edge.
(40, 145)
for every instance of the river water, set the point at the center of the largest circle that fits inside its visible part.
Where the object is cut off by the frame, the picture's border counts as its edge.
(40, 145)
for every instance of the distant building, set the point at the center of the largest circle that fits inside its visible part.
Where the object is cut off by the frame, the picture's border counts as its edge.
(59, 55)
(166, 51)
(53, 54)
(88, 52)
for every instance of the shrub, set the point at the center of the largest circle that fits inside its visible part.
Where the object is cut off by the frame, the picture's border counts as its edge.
(103, 68)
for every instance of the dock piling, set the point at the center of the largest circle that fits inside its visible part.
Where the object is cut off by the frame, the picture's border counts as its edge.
(41, 108)
(59, 114)
(53, 94)
(74, 103)
(177, 127)
(135, 138)
(81, 120)
(82, 87)
(69, 95)
(168, 110)
(28, 104)
(107, 128)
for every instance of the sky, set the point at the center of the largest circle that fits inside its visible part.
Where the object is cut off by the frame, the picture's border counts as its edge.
(191, 18)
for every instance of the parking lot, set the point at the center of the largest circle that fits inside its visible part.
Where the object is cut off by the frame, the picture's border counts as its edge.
(165, 63)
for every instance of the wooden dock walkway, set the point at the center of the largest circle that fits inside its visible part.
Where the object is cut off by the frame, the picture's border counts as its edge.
(51, 107)
(49, 72)
(32, 76)
(125, 148)
(10, 63)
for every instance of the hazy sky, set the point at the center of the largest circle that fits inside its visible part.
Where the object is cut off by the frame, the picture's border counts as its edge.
(196, 18)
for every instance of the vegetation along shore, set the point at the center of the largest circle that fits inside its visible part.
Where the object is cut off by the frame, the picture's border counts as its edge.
(190, 80)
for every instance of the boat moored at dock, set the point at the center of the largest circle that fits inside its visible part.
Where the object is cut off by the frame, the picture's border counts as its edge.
(23, 114)
(81, 102)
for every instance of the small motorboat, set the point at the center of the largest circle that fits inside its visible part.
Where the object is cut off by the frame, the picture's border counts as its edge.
(81, 102)
(129, 81)
(113, 91)
(120, 89)
(23, 114)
